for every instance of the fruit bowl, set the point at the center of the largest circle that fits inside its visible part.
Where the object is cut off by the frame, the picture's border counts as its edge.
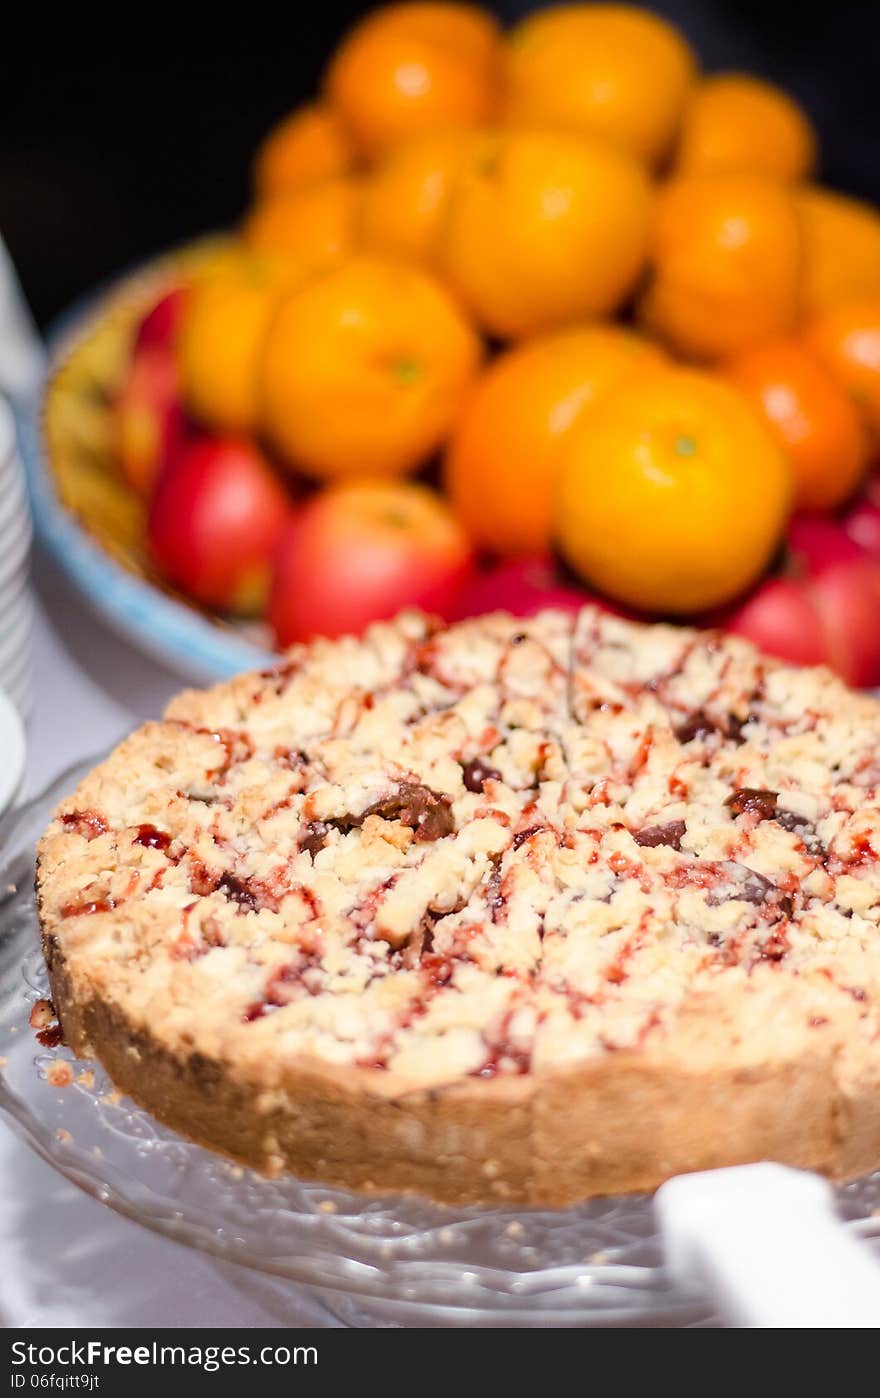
(816, 604)
(84, 513)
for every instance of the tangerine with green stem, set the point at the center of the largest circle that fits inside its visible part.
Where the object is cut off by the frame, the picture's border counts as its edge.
(672, 493)
(364, 371)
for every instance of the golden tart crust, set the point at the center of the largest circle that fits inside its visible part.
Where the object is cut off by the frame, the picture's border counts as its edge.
(508, 910)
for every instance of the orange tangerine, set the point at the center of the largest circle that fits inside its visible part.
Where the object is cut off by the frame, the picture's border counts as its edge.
(308, 145)
(814, 420)
(841, 248)
(224, 323)
(364, 371)
(672, 493)
(500, 469)
(614, 71)
(543, 229)
(406, 195)
(737, 124)
(408, 69)
(727, 257)
(315, 226)
(846, 339)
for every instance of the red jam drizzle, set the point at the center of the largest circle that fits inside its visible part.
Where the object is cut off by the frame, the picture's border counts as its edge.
(257, 1010)
(88, 906)
(436, 970)
(503, 1056)
(776, 945)
(239, 891)
(151, 838)
(237, 746)
(505, 1059)
(616, 971)
(283, 985)
(89, 824)
(522, 836)
(202, 880)
(861, 853)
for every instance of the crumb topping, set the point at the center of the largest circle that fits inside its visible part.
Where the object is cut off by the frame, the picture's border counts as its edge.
(493, 848)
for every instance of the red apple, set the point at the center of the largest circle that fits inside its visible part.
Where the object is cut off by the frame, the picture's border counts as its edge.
(816, 543)
(148, 420)
(522, 586)
(780, 619)
(848, 603)
(863, 525)
(361, 552)
(824, 609)
(159, 327)
(215, 522)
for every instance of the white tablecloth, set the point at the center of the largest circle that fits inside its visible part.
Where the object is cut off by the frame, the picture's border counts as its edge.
(68, 1261)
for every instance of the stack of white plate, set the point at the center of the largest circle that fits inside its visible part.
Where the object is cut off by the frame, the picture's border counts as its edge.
(11, 753)
(16, 605)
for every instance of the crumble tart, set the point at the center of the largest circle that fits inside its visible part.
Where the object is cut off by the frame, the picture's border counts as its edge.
(505, 910)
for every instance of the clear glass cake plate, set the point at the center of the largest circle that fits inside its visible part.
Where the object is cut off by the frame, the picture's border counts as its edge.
(376, 1260)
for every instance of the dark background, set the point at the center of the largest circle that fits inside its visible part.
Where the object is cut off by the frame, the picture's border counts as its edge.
(128, 129)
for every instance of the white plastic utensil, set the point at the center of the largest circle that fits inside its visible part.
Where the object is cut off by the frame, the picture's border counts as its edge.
(767, 1241)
